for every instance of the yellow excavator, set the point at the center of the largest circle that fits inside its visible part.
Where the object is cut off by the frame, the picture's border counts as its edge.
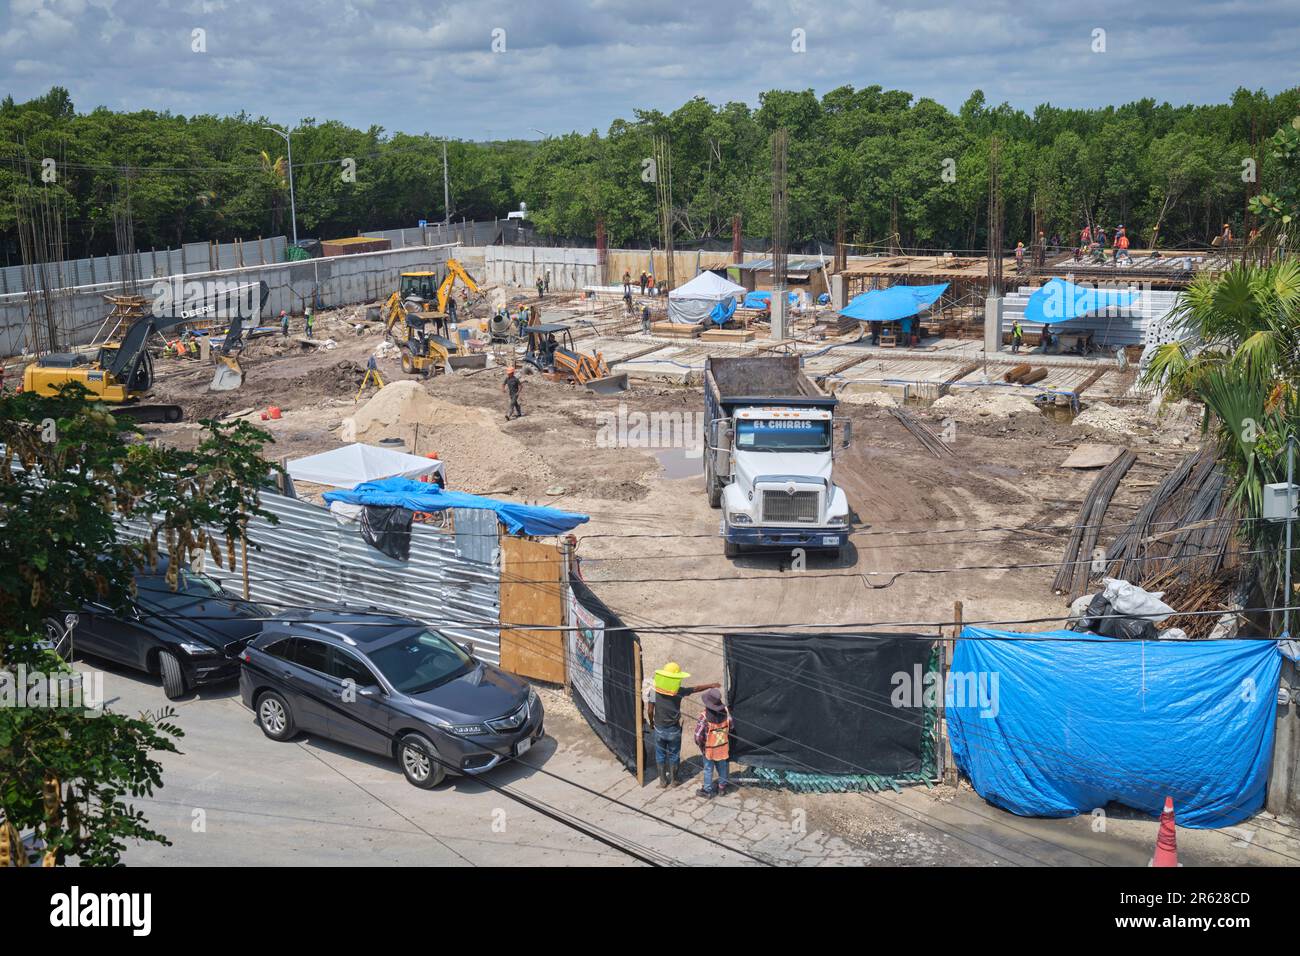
(122, 372)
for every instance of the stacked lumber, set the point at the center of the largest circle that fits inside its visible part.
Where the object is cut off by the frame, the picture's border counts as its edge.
(728, 335)
(675, 330)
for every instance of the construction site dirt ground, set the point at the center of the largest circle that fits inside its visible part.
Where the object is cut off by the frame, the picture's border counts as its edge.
(929, 531)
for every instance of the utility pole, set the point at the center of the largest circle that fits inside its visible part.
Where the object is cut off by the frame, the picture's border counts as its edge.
(293, 209)
(446, 189)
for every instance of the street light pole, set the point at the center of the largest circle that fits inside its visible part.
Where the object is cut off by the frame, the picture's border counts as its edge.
(293, 208)
(1287, 591)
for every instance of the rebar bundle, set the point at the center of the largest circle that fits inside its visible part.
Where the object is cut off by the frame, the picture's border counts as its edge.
(1076, 565)
(1184, 525)
(928, 439)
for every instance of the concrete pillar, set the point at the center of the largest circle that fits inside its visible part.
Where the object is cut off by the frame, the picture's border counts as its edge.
(1285, 741)
(992, 324)
(839, 292)
(779, 304)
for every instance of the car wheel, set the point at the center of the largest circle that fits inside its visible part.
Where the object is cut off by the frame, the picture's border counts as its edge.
(274, 716)
(173, 678)
(420, 763)
(59, 636)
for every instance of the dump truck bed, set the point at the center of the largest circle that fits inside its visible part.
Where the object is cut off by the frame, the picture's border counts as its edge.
(768, 379)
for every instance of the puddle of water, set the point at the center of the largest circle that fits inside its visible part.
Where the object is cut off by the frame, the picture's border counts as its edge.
(677, 463)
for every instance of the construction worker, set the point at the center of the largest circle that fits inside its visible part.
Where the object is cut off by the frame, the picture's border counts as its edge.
(644, 278)
(309, 321)
(645, 320)
(1017, 336)
(512, 386)
(284, 323)
(627, 283)
(650, 284)
(548, 280)
(716, 746)
(627, 301)
(664, 713)
(540, 287)
(1020, 257)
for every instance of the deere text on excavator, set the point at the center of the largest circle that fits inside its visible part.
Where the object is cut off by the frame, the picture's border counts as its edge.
(122, 373)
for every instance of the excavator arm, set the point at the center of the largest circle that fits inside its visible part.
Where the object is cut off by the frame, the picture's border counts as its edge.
(454, 271)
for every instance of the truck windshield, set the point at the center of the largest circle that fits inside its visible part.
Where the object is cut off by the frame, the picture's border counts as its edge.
(782, 435)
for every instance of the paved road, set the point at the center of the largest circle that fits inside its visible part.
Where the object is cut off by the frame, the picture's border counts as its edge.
(234, 797)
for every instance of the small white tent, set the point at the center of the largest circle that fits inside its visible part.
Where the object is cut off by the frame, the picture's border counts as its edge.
(690, 304)
(351, 465)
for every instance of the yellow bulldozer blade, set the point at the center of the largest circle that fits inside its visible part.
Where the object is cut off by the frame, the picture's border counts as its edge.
(228, 376)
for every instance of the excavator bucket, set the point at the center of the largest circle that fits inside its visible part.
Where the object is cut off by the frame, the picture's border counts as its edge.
(228, 376)
(609, 384)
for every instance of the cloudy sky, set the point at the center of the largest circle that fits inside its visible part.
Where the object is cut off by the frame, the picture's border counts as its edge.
(511, 68)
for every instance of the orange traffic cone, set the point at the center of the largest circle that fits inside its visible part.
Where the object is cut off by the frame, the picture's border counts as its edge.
(1166, 840)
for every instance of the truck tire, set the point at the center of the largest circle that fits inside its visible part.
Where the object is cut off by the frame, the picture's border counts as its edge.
(730, 549)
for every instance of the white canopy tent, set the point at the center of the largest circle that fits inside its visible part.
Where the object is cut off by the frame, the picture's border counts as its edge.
(351, 465)
(690, 304)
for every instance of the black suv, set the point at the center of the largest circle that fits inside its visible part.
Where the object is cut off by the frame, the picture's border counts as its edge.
(189, 635)
(389, 685)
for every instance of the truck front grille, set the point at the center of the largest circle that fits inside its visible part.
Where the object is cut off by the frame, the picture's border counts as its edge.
(780, 507)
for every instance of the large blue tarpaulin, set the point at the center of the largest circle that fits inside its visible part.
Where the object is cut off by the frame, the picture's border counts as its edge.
(1060, 301)
(422, 496)
(1061, 723)
(896, 302)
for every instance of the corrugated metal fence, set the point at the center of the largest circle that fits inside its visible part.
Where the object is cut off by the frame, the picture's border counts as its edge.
(310, 558)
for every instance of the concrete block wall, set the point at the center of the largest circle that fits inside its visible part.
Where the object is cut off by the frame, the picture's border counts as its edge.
(327, 283)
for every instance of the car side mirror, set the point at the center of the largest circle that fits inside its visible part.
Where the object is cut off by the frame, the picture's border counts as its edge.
(374, 690)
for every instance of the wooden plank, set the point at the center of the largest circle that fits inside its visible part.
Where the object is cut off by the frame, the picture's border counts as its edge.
(532, 593)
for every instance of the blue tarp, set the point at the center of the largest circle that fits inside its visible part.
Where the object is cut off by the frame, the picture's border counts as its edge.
(422, 496)
(896, 302)
(1064, 723)
(723, 311)
(760, 300)
(1060, 301)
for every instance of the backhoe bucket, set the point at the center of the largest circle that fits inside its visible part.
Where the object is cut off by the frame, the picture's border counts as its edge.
(228, 376)
(609, 385)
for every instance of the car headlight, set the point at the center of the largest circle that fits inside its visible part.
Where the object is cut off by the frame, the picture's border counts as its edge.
(737, 517)
(197, 649)
(462, 730)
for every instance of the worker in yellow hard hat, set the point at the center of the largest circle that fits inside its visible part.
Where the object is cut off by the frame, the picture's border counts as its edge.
(664, 712)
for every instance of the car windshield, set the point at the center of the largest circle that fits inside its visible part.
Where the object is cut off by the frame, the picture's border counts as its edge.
(420, 662)
(191, 586)
(783, 435)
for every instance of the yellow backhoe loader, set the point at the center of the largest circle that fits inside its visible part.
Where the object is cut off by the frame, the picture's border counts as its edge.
(122, 372)
(551, 349)
(421, 292)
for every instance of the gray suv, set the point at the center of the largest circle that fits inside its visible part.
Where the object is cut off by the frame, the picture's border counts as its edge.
(389, 685)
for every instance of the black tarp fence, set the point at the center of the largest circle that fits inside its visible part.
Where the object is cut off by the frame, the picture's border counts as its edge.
(830, 703)
(602, 655)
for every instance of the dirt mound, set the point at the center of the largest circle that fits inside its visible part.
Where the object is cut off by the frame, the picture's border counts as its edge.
(480, 456)
(972, 405)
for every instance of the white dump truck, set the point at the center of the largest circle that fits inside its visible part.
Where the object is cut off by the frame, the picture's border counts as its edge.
(772, 438)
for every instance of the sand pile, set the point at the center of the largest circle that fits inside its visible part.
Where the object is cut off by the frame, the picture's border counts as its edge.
(973, 405)
(480, 456)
